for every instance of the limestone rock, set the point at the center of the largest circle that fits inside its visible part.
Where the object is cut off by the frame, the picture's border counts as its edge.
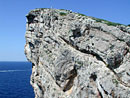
(74, 56)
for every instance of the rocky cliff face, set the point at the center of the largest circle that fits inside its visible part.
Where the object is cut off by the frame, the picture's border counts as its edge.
(75, 56)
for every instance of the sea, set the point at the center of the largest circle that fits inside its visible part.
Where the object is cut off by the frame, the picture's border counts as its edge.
(15, 80)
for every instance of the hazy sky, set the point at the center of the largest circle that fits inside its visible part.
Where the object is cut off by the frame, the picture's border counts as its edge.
(13, 20)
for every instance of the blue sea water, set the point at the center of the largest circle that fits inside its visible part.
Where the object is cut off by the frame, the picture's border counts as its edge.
(15, 80)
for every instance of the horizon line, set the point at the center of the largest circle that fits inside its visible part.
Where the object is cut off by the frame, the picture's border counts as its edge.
(14, 61)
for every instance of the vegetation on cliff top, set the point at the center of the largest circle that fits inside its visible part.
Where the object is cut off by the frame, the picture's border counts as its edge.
(63, 13)
(106, 22)
(109, 23)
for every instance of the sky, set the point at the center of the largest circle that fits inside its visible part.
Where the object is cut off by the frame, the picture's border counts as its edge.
(13, 20)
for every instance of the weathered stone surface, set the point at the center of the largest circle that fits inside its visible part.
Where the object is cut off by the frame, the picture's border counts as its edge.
(73, 56)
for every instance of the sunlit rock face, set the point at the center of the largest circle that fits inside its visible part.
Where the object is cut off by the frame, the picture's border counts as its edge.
(75, 56)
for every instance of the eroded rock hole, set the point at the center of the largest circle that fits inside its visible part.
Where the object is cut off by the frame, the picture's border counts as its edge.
(76, 33)
(33, 65)
(115, 61)
(30, 18)
(93, 76)
(92, 43)
(31, 45)
(69, 84)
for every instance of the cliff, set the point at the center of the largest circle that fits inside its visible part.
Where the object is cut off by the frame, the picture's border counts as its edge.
(76, 56)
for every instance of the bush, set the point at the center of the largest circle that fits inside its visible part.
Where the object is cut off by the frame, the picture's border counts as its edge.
(81, 14)
(99, 20)
(63, 14)
(106, 22)
(112, 24)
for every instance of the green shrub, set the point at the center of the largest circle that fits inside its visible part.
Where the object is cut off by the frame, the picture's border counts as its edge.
(81, 14)
(99, 20)
(112, 24)
(63, 14)
(80, 63)
(106, 22)
(115, 81)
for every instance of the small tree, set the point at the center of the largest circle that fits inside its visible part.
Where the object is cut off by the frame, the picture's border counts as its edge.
(129, 25)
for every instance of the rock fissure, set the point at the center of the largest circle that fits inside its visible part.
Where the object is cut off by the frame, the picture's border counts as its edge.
(119, 78)
(118, 37)
(100, 94)
(71, 78)
(83, 50)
